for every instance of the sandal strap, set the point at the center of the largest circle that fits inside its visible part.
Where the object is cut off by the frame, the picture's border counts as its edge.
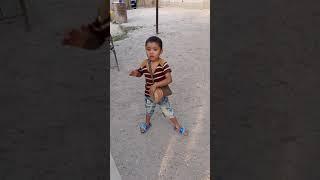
(182, 130)
(143, 126)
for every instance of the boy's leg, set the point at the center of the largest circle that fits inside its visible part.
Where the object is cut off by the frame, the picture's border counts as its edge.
(150, 106)
(167, 110)
(148, 119)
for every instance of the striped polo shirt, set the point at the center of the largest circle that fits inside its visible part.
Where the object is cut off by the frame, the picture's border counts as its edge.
(158, 75)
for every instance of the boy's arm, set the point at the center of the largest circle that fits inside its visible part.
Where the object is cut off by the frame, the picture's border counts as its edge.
(135, 73)
(164, 82)
(167, 71)
(139, 74)
(141, 67)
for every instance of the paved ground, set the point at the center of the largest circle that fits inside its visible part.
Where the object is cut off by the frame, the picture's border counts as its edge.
(161, 153)
(114, 172)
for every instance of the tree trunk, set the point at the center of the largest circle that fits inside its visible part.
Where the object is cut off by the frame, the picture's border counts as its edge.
(146, 3)
(120, 12)
(128, 3)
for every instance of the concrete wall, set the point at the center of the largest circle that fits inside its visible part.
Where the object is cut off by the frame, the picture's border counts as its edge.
(193, 4)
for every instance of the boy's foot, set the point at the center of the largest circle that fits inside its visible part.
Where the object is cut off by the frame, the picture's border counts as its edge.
(182, 131)
(144, 127)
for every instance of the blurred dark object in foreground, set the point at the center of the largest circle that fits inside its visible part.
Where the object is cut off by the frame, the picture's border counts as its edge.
(91, 36)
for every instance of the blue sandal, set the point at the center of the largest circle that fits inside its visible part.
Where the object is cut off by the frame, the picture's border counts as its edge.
(182, 131)
(144, 127)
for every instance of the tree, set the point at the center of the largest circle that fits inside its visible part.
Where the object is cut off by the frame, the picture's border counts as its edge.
(146, 3)
(128, 3)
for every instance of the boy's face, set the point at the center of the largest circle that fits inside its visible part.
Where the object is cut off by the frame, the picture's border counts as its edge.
(153, 51)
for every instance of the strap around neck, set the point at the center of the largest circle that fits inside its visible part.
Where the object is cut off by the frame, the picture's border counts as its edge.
(150, 69)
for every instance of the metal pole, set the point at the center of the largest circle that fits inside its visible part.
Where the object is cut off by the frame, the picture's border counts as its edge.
(25, 14)
(1, 14)
(157, 1)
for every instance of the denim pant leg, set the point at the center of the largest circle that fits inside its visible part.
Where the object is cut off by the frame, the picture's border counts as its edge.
(166, 108)
(149, 105)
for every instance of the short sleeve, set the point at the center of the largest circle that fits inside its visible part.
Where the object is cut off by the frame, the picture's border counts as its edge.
(166, 68)
(140, 70)
(142, 65)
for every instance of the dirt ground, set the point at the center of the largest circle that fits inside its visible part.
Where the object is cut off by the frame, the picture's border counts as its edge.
(162, 153)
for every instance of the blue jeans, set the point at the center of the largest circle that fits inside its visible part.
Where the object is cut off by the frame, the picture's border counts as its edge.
(164, 106)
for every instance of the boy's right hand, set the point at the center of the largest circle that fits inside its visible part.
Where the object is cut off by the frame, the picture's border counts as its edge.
(134, 73)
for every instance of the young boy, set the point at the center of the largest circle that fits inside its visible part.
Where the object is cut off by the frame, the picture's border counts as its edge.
(162, 77)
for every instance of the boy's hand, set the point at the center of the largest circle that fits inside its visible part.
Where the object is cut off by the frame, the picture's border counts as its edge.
(134, 73)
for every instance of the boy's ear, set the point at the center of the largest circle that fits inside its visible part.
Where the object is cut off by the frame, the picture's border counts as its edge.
(161, 51)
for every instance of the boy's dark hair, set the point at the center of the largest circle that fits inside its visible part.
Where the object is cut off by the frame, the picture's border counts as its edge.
(154, 39)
